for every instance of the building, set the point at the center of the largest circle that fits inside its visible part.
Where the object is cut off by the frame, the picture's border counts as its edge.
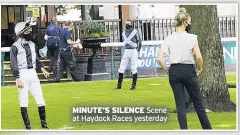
(12, 14)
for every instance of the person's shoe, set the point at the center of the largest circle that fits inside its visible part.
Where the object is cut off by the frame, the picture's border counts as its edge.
(42, 116)
(49, 70)
(56, 80)
(134, 81)
(133, 87)
(120, 80)
(174, 111)
(117, 88)
(25, 118)
(44, 125)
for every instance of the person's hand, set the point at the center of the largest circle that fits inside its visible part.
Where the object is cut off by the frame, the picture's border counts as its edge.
(198, 72)
(167, 72)
(78, 46)
(78, 41)
(46, 37)
(19, 83)
(45, 73)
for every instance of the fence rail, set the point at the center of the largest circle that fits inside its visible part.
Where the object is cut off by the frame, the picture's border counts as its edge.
(149, 29)
(111, 26)
(159, 28)
(227, 26)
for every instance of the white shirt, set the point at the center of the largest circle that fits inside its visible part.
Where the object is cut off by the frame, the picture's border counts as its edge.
(179, 47)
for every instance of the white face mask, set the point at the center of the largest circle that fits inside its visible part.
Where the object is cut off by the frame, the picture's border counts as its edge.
(70, 28)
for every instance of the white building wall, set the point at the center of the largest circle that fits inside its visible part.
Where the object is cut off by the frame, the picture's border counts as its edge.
(110, 12)
(145, 11)
(227, 9)
(164, 10)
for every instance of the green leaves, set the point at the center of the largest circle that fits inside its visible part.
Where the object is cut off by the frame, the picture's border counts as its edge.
(105, 34)
(94, 35)
(93, 27)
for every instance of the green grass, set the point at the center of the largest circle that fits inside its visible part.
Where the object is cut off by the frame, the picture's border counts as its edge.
(60, 97)
(231, 79)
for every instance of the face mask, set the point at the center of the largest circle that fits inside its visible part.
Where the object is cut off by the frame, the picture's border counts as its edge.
(128, 26)
(28, 37)
(188, 27)
(70, 28)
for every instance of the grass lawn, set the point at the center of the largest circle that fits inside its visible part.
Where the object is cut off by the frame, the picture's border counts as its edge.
(231, 79)
(60, 97)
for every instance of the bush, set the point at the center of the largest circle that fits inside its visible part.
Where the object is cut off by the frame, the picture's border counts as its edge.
(94, 35)
(84, 36)
(105, 34)
(93, 29)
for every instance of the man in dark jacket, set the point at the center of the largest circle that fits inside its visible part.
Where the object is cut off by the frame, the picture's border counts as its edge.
(52, 37)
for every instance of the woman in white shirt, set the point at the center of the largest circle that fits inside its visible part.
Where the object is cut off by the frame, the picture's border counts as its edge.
(181, 48)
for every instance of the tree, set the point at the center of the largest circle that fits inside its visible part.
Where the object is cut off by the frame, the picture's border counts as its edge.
(204, 20)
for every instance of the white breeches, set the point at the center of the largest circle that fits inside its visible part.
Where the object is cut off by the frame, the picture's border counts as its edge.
(31, 84)
(130, 55)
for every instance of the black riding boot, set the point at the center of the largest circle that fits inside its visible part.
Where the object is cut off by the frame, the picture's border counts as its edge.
(120, 79)
(134, 82)
(42, 115)
(25, 118)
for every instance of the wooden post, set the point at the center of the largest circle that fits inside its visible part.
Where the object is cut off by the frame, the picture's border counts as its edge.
(51, 12)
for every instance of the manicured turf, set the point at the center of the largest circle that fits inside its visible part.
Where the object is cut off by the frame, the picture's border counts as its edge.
(231, 79)
(60, 97)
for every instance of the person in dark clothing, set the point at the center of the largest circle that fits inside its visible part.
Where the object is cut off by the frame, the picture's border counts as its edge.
(52, 37)
(24, 61)
(66, 57)
(132, 44)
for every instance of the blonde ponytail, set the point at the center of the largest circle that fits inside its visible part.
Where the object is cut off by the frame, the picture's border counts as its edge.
(181, 17)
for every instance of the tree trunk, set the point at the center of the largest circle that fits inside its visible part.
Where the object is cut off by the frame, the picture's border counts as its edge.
(204, 20)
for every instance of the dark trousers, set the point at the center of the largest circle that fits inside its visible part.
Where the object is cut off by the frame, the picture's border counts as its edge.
(66, 59)
(184, 75)
(53, 55)
(189, 100)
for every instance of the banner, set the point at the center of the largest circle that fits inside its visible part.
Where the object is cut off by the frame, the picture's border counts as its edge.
(229, 52)
(148, 55)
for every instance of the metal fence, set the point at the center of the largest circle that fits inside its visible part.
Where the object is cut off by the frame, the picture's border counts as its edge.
(111, 26)
(159, 28)
(149, 29)
(227, 26)
(154, 29)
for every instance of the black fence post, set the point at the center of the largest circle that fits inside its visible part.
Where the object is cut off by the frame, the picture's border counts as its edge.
(121, 21)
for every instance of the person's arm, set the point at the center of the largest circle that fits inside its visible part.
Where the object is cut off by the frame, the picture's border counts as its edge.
(14, 67)
(69, 41)
(46, 35)
(139, 42)
(13, 61)
(199, 59)
(161, 61)
(39, 65)
(163, 50)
